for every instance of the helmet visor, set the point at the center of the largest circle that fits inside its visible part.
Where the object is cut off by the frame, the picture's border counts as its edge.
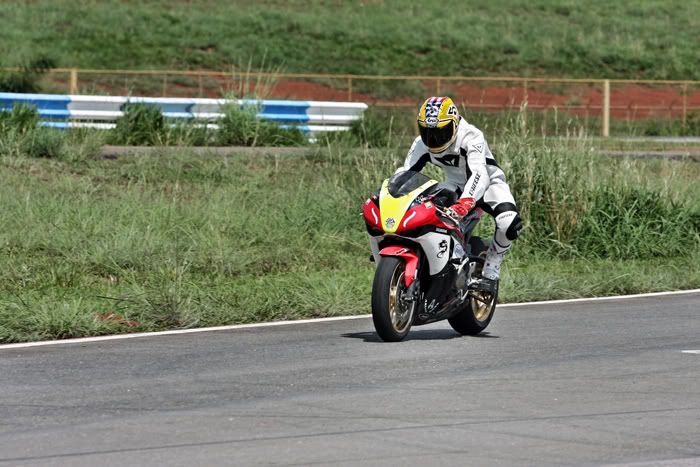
(436, 137)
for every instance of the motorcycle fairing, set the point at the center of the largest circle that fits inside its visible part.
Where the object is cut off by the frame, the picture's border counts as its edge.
(409, 256)
(370, 211)
(393, 209)
(438, 250)
(436, 255)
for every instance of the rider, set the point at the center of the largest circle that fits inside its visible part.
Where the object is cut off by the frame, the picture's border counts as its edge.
(459, 148)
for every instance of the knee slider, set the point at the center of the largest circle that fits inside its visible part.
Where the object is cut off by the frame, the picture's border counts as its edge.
(510, 223)
(514, 228)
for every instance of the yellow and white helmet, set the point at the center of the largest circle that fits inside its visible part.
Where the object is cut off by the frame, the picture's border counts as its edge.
(437, 123)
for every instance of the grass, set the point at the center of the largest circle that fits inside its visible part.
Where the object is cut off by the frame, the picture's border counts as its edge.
(652, 39)
(93, 246)
(544, 280)
(27, 78)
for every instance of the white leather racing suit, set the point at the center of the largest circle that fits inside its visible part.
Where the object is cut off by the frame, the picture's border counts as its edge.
(472, 171)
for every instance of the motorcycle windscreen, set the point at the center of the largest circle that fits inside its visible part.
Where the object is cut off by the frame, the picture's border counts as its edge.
(403, 183)
(393, 206)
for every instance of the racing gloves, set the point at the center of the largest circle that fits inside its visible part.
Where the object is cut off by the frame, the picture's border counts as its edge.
(461, 208)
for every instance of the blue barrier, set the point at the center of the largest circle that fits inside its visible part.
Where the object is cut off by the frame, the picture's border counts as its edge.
(66, 111)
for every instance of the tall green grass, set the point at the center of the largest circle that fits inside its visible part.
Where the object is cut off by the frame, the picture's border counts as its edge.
(21, 136)
(141, 125)
(27, 77)
(145, 125)
(581, 205)
(93, 246)
(596, 38)
(241, 127)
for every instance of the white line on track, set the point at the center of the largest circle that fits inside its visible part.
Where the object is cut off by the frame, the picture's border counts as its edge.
(595, 299)
(691, 351)
(85, 340)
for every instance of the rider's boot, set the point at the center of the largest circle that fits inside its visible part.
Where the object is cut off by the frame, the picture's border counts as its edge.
(458, 253)
(494, 258)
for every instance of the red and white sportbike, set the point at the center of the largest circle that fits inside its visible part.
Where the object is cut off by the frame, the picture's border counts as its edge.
(428, 269)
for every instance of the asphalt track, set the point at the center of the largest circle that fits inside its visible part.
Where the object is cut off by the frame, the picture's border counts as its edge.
(604, 382)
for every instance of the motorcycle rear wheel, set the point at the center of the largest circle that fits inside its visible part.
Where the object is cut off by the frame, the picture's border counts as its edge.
(391, 313)
(476, 314)
(480, 307)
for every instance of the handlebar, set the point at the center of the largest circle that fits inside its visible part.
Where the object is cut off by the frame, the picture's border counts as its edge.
(458, 221)
(445, 214)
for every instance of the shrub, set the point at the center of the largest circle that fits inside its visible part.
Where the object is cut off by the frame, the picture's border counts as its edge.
(21, 135)
(375, 129)
(145, 125)
(240, 126)
(21, 119)
(141, 124)
(27, 78)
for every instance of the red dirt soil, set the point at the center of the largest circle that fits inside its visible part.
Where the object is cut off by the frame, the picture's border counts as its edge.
(627, 101)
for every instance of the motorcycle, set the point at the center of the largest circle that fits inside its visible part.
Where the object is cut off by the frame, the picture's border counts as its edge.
(428, 267)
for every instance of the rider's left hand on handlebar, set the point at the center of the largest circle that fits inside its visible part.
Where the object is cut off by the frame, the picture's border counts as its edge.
(461, 208)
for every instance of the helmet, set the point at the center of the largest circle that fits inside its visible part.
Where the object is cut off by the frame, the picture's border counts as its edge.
(437, 123)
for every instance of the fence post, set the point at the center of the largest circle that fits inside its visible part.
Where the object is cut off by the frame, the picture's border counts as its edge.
(523, 105)
(606, 108)
(349, 89)
(685, 105)
(73, 81)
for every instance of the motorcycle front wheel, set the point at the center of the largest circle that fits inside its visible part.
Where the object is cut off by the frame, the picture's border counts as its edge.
(392, 310)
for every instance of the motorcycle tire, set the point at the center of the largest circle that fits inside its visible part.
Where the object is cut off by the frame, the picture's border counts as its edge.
(392, 320)
(476, 315)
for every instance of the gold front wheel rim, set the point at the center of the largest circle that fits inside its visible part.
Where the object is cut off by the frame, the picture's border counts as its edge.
(400, 318)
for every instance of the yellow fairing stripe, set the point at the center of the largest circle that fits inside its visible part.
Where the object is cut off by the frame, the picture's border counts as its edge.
(396, 207)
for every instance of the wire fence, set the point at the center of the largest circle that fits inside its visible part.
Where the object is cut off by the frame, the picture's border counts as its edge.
(600, 99)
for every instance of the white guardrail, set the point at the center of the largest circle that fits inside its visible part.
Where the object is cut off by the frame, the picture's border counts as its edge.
(78, 111)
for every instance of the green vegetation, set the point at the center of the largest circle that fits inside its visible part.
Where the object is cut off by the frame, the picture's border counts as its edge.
(93, 246)
(672, 127)
(645, 39)
(652, 39)
(144, 125)
(27, 76)
(241, 127)
(141, 125)
(21, 135)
